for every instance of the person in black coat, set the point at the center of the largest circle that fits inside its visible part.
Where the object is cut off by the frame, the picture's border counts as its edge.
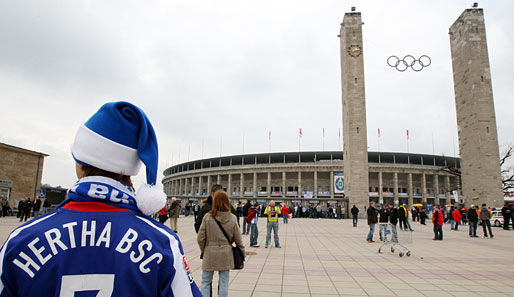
(393, 219)
(246, 209)
(27, 208)
(473, 221)
(372, 220)
(506, 216)
(21, 206)
(355, 214)
(422, 216)
(207, 206)
(383, 220)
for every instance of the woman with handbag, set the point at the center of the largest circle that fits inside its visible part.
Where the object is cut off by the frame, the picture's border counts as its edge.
(217, 232)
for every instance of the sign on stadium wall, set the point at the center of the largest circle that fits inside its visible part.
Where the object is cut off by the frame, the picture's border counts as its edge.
(339, 182)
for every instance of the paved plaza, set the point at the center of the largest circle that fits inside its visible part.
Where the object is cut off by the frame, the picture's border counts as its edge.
(321, 257)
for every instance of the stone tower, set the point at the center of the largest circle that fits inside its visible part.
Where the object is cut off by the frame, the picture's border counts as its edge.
(476, 120)
(355, 144)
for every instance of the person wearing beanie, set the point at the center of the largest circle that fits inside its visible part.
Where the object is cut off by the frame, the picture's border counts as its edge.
(101, 237)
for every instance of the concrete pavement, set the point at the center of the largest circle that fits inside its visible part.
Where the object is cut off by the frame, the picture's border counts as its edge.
(321, 257)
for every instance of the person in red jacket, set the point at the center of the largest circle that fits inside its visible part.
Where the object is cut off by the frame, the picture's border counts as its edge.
(163, 215)
(457, 217)
(285, 213)
(437, 219)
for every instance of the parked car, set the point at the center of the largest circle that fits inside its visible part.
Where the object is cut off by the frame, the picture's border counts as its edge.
(497, 218)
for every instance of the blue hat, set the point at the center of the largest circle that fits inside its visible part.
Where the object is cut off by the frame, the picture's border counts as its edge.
(119, 138)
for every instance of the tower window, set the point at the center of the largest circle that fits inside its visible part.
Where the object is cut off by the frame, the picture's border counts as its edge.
(482, 78)
(353, 33)
(355, 80)
(487, 129)
(358, 129)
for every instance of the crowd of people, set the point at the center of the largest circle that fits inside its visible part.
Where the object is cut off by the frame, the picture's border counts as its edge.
(26, 208)
(389, 216)
(103, 226)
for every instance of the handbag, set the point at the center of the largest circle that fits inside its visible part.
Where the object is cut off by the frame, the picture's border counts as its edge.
(236, 251)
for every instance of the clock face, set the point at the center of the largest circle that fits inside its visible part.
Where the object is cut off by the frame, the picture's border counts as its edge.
(354, 50)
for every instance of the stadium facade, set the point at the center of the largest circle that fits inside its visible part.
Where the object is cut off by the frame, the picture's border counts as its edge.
(315, 177)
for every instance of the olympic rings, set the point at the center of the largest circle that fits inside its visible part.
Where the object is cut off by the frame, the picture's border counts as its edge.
(409, 61)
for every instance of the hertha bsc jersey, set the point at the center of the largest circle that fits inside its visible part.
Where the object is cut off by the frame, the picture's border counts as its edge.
(94, 249)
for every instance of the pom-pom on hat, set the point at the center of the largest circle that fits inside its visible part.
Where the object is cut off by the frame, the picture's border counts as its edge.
(119, 138)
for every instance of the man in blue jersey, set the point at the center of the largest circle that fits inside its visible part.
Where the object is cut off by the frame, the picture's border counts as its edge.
(101, 240)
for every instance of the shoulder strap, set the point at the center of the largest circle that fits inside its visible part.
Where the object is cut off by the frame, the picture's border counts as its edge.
(223, 230)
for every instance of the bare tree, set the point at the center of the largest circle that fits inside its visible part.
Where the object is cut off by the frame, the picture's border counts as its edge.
(507, 173)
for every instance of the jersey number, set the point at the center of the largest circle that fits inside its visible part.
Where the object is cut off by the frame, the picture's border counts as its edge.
(103, 283)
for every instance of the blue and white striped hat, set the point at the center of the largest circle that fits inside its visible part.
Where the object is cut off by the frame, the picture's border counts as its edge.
(119, 138)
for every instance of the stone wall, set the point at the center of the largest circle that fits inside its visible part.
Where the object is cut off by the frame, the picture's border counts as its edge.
(21, 167)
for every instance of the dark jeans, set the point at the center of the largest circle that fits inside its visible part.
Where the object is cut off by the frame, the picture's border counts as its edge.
(506, 221)
(25, 214)
(246, 226)
(473, 228)
(254, 234)
(488, 223)
(355, 219)
(438, 232)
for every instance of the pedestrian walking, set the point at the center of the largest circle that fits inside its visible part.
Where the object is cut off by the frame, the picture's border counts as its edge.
(215, 249)
(383, 220)
(355, 215)
(372, 220)
(272, 212)
(506, 213)
(46, 206)
(207, 206)
(252, 219)
(5, 206)
(239, 212)
(117, 249)
(472, 215)
(187, 209)
(196, 210)
(174, 214)
(423, 216)
(485, 216)
(456, 216)
(437, 219)
(403, 215)
(393, 219)
(285, 213)
(21, 208)
(246, 208)
(36, 207)
(27, 208)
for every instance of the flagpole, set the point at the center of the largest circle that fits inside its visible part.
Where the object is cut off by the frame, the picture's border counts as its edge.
(407, 141)
(323, 139)
(339, 139)
(269, 140)
(300, 140)
(454, 152)
(379, 140)
(433, 147)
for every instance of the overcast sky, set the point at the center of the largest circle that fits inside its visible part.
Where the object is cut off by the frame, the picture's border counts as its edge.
(217, 71)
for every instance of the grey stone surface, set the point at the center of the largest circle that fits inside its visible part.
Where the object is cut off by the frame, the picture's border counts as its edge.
(476, 120)
(355, 144)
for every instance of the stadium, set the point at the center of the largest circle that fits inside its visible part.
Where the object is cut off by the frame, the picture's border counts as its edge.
(315, 177)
